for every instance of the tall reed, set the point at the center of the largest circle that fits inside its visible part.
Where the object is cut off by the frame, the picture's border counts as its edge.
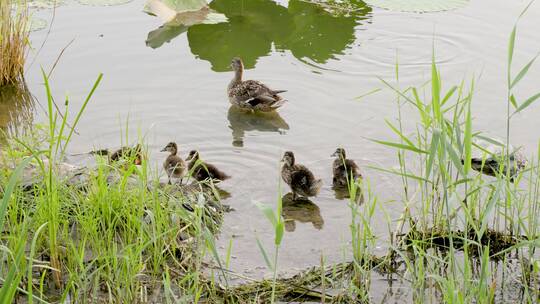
(14, 42)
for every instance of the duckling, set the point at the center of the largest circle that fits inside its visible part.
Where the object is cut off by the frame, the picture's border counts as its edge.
(494, 164)
(252, 94)
(299, 177)
(202, 170)
(128, 153)
(174, 165)
(344, 169)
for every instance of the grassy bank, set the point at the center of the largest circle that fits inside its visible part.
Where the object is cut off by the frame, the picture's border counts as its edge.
(108, 232)
(14, 42)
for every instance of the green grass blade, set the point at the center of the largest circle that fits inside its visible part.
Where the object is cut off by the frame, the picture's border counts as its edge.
(526, 8)
(31, 259)
(279, 233)
(83, 107)
(14, 276)
(419, 178)
(527, 102)
(432, 152)
(449, 94)
(403, 137)
(523, 72)
(513, 101)
(265, 255)
(400, 146)
(435, 89)
(454, 156)
(511, 51)
(13, 179)
(467, 141)
(268, 212)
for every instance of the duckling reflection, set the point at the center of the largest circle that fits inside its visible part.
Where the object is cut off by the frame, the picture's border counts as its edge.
(342, 193)
(302, 210)
(241, 121)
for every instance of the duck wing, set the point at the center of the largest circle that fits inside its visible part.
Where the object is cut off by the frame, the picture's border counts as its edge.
(256, 95)
(304, 182)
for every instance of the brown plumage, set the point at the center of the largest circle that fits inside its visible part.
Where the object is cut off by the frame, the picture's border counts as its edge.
(202, 171)
(252, 94)
(174, 165)
(134, 154)
(344, 169)
(299, 177)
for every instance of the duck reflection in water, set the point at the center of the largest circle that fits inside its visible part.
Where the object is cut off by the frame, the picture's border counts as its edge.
(302, 210)
(242, 121)
(342, 193)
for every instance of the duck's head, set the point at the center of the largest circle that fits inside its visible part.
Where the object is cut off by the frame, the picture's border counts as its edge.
(340, 152)
(171, 148)
(288, 158)
(193, 155)
(237, 64)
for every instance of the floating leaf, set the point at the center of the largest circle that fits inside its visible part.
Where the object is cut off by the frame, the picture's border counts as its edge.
(43, 4)
(158, 7)
(103, 2)
(37, 24)
(177, 22)
(418, 6)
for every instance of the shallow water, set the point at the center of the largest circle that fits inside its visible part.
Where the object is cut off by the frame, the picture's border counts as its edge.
(175, 91)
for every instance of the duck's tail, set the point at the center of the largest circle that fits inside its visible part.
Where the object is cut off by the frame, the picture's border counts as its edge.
(278, 103)
(278, 91)
(316, 187)
(222, 176)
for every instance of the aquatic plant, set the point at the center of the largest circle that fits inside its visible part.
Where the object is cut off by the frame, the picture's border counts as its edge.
(14, 43)
(458, 223)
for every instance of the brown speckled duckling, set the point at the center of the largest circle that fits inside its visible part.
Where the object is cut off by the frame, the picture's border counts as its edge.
(174, 165)
(134, 154)
(251, 94)
(343, 169)
(203, 170)
(299, 177)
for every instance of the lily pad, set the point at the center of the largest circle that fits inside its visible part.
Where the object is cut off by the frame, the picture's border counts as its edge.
(37, 24)
(180, 23)
(177, 22)
(167, 7)
(418, 6)
(103, 2)
(44, 4)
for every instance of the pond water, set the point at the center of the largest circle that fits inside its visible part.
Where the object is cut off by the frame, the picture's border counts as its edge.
(169, 84)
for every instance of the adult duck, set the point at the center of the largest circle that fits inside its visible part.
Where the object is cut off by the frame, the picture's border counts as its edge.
(251, 94)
